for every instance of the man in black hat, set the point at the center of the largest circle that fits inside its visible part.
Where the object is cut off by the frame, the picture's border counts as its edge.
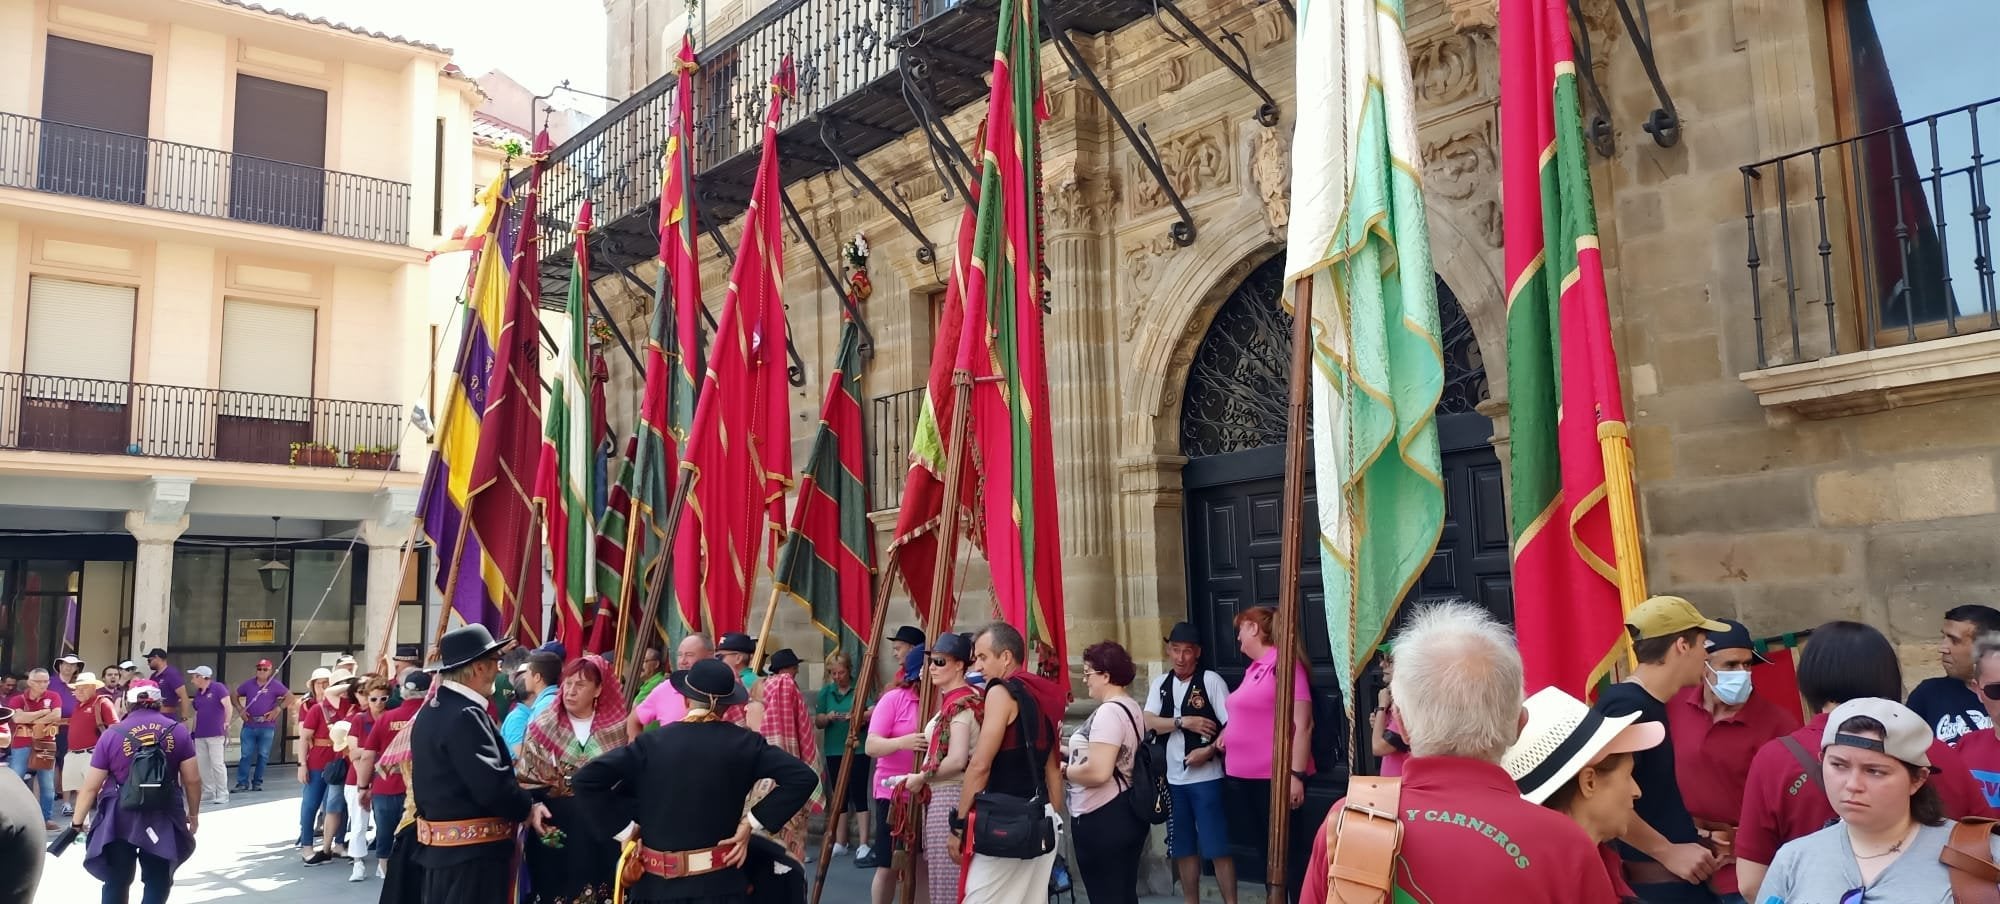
(735, 650)
(1185, 707)
(687, 783)
(462, 779)
(906, 638)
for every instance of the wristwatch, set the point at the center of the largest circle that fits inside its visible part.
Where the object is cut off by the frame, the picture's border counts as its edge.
(955, 821)
(1177, 722)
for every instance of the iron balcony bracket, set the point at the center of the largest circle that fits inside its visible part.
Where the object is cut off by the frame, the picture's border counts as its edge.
(604, 311)
(1599, 129)
(829, 134)
(1182, 231)
(947, 156)
(1664, 124)
(833, 279)
(658, 292)
(1267, 112)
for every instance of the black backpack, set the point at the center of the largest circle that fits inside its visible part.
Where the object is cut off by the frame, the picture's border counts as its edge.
(1146, 793)
(150, 784)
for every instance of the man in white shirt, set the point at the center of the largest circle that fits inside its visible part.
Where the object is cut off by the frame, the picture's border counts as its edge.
(1186, 706)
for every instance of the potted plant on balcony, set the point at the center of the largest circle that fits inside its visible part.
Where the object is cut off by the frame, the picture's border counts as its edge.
(315, 455)
(372, 458)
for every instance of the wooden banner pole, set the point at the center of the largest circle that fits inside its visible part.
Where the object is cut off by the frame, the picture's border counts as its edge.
(1285, 631)
(864, 677)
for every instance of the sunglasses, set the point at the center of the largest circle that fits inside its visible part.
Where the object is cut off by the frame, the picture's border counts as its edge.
(378, 699)
(264, 668)
(1854, 896)
(1992, 691)
(940, 661)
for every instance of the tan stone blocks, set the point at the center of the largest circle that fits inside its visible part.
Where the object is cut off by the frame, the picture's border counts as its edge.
(1756, 559)
(1765, 501)
(1937, 426)
(1747, 450)
(1907, 491)
(1770, 609)
(1936, 557)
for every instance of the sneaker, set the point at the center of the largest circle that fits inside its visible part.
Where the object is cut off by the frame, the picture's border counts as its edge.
(863, 852)
(381, 869)
(839, 850)
(222, 800)
(239, 786)
(317, 857)
(69, 810)
(360, 871)
(259, 786)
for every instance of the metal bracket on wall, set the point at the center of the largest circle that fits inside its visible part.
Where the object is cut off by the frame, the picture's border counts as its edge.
(1182, 231)
(1664, 123)
(604, 311)
(658, 292)
(1267, 112)
(946, 154)
(829, 134)
(832, 279)
(1599, 129)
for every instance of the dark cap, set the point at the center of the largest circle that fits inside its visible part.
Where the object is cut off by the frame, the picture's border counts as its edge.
(1736, 638)
(953, 645)
(737, 642)
(407, 652)
(783, 659)
(909, 634)
(417, 682)
(157, 653)
(1184, 633)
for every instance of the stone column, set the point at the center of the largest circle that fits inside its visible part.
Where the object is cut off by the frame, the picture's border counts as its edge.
(387, 535)
(1078, 340)
(152, 582)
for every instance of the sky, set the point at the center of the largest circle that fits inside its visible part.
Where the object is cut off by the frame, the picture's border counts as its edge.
(539, 42)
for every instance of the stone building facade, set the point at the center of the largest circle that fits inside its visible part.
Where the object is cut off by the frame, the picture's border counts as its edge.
(1785, 481)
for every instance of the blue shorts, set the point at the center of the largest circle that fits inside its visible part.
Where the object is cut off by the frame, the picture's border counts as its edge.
(1196, 822)
(335, 803)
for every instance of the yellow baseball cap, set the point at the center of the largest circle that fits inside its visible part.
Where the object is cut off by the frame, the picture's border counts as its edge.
(1664, 616)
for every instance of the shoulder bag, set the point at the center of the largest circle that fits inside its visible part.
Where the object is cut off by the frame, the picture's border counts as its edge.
(1005, 825)
(1968, 859)
(1363, 838)
(1145, 790)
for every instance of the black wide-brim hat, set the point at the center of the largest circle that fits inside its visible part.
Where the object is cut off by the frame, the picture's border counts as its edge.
(783, 659)
(909, 634)
(710, 683)
(1184, 633)
(463, 646)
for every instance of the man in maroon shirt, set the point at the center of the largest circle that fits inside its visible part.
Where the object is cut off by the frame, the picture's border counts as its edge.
(1784, 796)
(37, 715)
(1467, 833)
(1716, 729)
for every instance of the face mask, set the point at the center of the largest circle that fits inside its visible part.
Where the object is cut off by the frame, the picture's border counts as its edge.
(1732, 688)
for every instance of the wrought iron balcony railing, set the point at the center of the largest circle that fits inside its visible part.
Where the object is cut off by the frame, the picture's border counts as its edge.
(70, 414)
(893, 424)
(129, 169)
(1877, 240)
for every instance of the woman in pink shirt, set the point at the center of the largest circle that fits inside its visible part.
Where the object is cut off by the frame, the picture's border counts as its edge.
(1245, 743)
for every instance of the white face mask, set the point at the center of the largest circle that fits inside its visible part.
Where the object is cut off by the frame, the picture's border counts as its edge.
(1732, 688)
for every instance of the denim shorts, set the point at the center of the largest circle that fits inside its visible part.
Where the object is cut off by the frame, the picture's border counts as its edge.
(1196, 823)
(335, 803)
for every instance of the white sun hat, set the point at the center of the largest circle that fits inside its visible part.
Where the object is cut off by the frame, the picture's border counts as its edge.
(1563, 735)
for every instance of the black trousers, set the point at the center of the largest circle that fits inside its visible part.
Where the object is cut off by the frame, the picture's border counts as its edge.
(123, 860)
(1108, 841)
(481, 881)
(1246, 803)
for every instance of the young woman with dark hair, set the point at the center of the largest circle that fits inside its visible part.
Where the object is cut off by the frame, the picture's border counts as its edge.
(1109, 834)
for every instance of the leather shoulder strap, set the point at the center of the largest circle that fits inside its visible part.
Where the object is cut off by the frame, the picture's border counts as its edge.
(1363, 837)
(1807, 762)
(1968, 858)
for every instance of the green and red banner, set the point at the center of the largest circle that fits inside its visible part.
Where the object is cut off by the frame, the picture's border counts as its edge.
(1001, 348)
(1567, 416)
(566, 480)
(828, 558)
(739, 451)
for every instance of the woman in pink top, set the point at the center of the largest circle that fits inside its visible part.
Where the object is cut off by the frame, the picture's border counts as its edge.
(1246, 741)
(894, 740)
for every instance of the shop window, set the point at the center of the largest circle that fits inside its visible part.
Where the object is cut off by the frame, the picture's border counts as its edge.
(197, 594)
(322, 588)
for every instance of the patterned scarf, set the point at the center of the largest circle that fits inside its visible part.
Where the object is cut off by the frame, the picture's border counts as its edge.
(552, 752)
(788, 724)
(906, 807)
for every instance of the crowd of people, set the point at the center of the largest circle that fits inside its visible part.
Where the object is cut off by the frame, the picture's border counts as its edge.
(1680, 783)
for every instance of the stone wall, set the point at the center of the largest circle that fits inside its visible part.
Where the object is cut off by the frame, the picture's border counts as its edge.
(1887, 516)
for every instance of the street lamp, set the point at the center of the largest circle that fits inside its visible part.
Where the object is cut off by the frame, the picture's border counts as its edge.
(274, 573)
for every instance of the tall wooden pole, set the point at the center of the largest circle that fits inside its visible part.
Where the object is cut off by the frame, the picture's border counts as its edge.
(526, 569)
(663, 574)
(863, 677)
(1285, 631)
(935, 621)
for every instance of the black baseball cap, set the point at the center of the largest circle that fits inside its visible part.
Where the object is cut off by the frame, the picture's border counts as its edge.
(909, 634)
(737, 642)
(157, 653)
(1737, 637)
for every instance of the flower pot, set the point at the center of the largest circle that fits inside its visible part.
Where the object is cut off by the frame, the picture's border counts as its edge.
(315, 457)
(372, 461)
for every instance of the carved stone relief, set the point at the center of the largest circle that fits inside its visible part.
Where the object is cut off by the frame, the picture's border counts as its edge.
(1270, 168)
(1196, 161)
(1075, 201)
(1462, 165)
(1469, 14)
(1448, 69)
(1141, 262)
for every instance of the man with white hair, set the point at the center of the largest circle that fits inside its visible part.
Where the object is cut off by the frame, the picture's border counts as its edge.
(664, 705)
(1467, 835)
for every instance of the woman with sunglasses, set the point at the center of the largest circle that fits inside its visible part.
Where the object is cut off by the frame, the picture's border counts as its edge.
(1109, 833)
(1877, 773)
(950, 736)
(370, 699)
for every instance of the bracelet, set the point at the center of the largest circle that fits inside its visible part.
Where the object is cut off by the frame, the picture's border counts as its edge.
(1299, 774)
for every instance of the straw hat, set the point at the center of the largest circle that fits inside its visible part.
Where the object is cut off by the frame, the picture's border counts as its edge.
(1564, 735)
(85, 679)
(339, 735)
(340, 677)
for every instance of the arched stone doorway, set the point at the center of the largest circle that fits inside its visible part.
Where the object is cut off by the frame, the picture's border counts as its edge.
(1232, 430)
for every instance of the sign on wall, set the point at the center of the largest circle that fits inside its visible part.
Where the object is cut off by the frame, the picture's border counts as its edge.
(256, 630)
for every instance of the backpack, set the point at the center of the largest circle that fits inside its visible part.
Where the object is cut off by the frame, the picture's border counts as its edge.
(149, 785)
(1146, 791)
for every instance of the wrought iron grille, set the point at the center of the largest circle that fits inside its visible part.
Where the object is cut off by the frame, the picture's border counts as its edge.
(1238, 385)
(889, 433)
(129, 169)
(1880, 239)
(1464, 366)
(71, 414)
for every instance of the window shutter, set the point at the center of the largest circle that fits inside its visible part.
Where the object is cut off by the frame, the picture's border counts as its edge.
(267, 349)
(96, 86)
(80, 330)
